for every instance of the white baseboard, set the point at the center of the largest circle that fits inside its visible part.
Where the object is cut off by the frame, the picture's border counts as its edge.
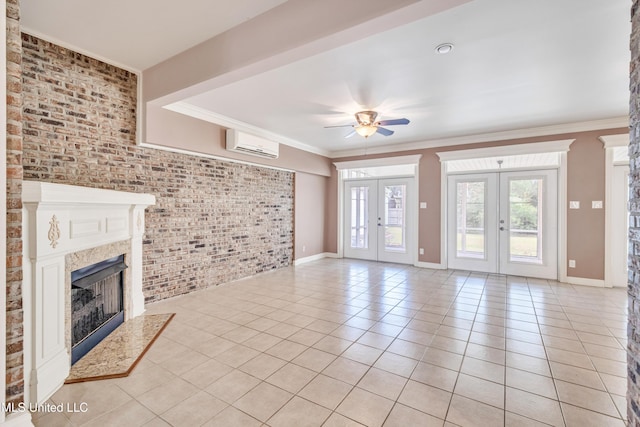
(585, 282)
(315, 257)
(431, 265)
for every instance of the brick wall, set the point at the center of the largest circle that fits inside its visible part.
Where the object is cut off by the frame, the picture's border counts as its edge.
(14, 363)
(633, 330)
(214, 221)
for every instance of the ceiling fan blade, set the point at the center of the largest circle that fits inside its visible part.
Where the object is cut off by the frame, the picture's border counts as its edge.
(350, 134)
(339, 126)
(385, 132)
(393, 122)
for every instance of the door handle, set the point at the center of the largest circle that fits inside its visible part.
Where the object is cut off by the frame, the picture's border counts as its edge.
(503, 229)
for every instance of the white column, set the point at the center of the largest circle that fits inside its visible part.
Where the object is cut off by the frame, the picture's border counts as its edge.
(135, 269)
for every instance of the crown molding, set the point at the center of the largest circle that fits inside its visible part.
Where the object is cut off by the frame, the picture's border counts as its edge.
(612, 123)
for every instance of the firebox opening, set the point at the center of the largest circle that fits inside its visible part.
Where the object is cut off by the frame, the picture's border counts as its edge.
(97, 306)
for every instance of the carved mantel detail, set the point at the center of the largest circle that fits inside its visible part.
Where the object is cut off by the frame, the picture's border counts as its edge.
(54, 232)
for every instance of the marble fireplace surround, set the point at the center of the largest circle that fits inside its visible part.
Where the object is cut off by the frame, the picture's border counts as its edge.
(66, 227)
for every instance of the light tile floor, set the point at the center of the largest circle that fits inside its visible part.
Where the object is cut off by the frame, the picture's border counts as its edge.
(350, 343)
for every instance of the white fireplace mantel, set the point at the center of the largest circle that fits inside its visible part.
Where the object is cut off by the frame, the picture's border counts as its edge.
(59, 220)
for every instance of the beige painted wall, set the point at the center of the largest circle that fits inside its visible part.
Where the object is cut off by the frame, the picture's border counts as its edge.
(586, 182)
(175, 130)
(585, 226)
(331, 213)
(310, 205)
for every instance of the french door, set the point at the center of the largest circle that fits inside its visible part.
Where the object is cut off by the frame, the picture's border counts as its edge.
(378, 219)
(504, 222)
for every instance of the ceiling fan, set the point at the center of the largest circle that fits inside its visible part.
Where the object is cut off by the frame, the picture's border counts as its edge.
(366, 125)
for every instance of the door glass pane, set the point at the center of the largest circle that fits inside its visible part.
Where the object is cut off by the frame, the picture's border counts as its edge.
(525, 220)
(470, 219)
(359, 217)
(394, 218)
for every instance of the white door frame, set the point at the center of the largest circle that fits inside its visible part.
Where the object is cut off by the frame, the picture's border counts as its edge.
(610, 142)
(386, 161)
(560, 146)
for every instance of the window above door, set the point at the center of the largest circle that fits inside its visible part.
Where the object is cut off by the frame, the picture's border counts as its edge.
(540, 155)
(521, 161)
(379, 168)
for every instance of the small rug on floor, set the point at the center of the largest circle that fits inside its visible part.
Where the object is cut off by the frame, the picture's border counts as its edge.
(117, 354)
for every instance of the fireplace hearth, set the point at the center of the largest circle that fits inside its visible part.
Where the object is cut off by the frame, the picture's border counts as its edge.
(97, 306)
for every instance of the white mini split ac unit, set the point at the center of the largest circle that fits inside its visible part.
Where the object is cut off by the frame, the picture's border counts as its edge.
(246, 143)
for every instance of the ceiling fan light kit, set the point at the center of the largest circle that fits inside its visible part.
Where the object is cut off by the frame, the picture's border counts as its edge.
(366, 130)
(367, 126)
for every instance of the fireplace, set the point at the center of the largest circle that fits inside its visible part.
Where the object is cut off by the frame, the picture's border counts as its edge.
(97, 306)
(67, 228)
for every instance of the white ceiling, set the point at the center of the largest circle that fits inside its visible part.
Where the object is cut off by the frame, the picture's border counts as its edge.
(136, 34)
(517, 64)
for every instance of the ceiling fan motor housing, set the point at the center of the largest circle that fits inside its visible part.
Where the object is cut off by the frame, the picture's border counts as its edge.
(366, 117)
